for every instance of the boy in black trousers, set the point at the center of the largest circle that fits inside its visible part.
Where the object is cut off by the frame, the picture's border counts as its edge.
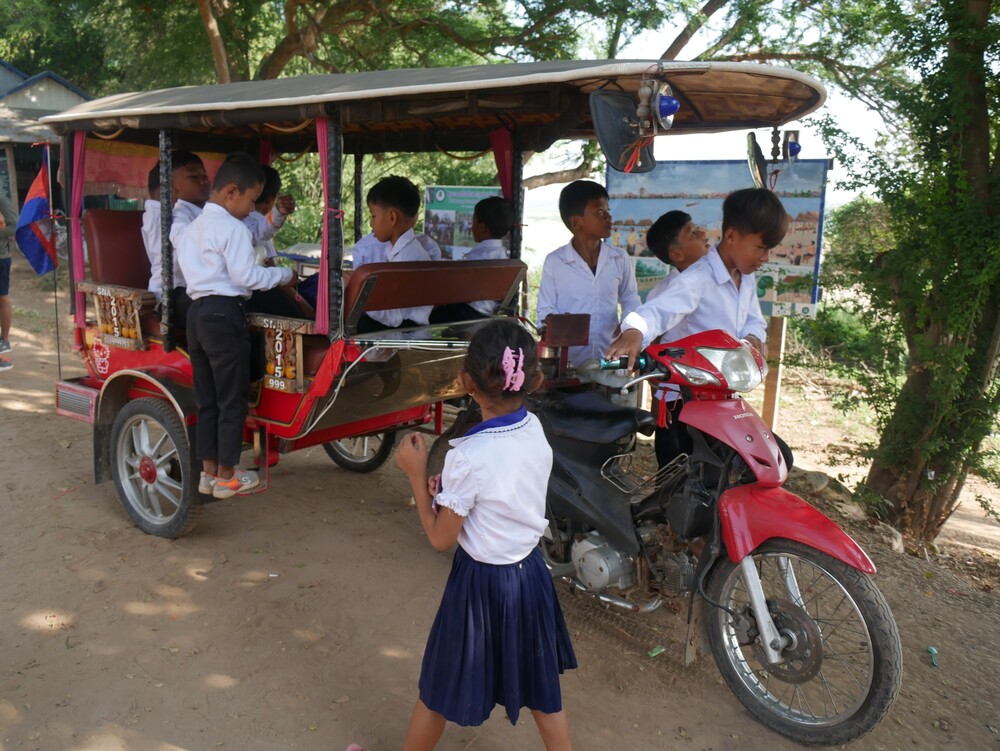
(217, 259)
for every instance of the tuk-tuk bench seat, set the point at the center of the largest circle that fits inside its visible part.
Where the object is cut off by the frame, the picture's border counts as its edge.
(114, 245)
(409, 284)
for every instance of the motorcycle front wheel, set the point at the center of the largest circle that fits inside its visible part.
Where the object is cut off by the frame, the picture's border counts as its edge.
(842, 661)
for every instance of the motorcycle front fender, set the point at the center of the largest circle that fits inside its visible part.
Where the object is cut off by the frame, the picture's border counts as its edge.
(752, 514)
(734, 422)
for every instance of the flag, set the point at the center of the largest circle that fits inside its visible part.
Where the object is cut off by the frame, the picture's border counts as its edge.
(34, 233)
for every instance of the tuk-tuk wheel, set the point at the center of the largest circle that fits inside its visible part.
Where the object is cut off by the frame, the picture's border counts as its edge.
(362, 454)
(153, 469)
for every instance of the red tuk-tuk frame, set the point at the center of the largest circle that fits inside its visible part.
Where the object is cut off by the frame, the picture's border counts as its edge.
(324, 383)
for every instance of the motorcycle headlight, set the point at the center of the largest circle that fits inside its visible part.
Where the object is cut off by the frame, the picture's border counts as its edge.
(696, 376)
(737, 366)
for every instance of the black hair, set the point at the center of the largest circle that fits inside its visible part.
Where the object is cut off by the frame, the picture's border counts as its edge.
(574, 198)
(662, 236)
(182, 158)
(272, 183)
(240, 169)
(484, 361)
(153, 181)
(756, 211)
(497, 214)
(395, 192)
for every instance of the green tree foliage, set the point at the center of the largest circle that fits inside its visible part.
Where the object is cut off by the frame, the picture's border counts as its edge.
(927, 260)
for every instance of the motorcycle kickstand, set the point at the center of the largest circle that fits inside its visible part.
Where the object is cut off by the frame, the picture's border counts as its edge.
(771, 641)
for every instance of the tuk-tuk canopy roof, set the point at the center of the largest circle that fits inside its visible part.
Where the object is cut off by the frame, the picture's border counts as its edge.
(452, 109)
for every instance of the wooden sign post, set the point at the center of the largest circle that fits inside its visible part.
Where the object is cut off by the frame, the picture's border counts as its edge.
(772, 384)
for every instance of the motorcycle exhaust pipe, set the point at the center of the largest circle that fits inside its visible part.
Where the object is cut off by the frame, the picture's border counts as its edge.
(610, 600)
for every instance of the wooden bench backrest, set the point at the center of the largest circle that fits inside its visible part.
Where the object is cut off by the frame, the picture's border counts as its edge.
(408, 284)
(115, 248)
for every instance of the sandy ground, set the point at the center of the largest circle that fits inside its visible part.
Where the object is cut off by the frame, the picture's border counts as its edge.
(296, 618)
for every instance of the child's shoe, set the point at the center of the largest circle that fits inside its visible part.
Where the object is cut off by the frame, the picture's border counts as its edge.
(5, 346)
(241, 481)
(206, 483)
(5, 364)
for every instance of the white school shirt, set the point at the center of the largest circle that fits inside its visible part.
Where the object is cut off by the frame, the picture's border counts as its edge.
(704, 297)
(183, 214)
(569, 286)
(406, 248)
(486, 250)
(262, 231)
(369, 249)
(430, 245)
(217, 257)
(496, 478)
(151, 241)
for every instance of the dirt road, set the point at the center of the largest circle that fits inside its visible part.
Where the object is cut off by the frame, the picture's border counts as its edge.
(296, 618)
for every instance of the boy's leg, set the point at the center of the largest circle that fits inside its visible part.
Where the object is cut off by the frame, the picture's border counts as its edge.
(224, 336)
(207, 429)
(6, 311)
(554, 729)
(425, 729)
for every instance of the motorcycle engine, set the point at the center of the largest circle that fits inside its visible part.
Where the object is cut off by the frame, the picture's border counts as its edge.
(600, 566)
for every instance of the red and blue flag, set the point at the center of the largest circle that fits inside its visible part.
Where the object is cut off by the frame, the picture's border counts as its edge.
(35, 231)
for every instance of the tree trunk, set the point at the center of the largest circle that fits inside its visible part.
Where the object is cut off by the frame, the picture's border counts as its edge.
(935, 431)
(219, 56)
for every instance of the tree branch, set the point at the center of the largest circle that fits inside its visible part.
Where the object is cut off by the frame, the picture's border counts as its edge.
(219, 56)
(696, 22)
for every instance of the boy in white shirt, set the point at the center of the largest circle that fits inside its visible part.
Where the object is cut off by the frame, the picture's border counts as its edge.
(217, 259)
(268, 216)
(190, 188)
(492, 219)
(676, 241)
(393, 203)
(719, 291)
(587, 275)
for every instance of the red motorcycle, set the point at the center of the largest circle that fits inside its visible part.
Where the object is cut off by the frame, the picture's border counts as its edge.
(785, 597)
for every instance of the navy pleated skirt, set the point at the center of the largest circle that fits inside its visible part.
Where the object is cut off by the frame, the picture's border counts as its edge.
(499, 638)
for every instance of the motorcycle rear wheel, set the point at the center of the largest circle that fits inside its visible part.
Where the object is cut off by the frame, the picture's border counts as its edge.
(843, 667)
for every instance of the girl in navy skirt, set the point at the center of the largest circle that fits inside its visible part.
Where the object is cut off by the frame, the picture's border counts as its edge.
(499, 636)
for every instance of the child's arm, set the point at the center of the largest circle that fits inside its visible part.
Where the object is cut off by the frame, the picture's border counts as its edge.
(628, 289)
(442, 528)
(547, 304)
(243, 270)
(755, 328)
(654, 318)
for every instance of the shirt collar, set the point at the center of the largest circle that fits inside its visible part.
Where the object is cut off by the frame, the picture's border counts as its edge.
(404, 239)
(569, 255)
(719, 270)
(500, 421)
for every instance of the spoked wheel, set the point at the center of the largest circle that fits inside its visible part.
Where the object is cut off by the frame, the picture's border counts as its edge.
(153, 469)
(362, 454)
(842, 662)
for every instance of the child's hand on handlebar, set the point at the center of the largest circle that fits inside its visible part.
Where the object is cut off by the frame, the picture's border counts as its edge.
(629, 343)
(294, 280)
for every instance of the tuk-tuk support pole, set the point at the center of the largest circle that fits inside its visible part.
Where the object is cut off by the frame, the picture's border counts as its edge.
(359, 188)
(517, 199)
(166, 249)
(67, 186)
(334, 222)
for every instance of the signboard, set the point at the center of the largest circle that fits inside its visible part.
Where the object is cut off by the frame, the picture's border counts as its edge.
(788, 285)
(448, 216)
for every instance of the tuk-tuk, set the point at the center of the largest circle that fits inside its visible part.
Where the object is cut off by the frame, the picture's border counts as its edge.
(323, 383)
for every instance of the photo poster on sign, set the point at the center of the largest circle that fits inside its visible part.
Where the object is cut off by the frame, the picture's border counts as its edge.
(448, 216)
(788, 285)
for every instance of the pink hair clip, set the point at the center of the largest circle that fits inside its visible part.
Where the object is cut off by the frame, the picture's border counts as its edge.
(513, 369)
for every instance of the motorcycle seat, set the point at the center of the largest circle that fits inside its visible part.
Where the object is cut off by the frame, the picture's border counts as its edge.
(592, 418)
